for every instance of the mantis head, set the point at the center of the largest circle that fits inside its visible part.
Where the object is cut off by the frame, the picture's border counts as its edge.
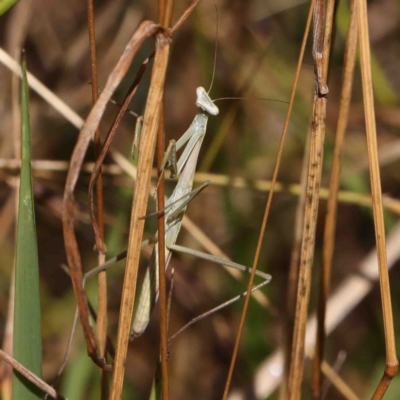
(204, 102)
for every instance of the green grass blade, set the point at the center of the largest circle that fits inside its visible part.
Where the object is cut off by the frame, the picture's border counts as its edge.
(79, 376)
(5, 5)
(27, 347)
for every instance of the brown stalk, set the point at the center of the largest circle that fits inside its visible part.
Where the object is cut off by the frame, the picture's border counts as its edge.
(268, 206)
(321, 45)
(161, 256)
(293, 276)
(165, 14)
(146, 153)
(101, 321)
(346, 197)
(392, 363)
(307, 250)
(40, 383)
(330, 222)
(184, 16)
(144, 30)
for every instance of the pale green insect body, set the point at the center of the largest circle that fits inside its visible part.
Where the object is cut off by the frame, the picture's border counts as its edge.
(174, 214)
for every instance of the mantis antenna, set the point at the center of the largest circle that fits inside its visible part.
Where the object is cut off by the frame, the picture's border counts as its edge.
(216, 48)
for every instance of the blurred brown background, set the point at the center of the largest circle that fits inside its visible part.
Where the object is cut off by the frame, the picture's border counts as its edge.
(258, 46)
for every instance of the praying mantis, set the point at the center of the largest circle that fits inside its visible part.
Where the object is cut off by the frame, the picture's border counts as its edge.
(175, 208)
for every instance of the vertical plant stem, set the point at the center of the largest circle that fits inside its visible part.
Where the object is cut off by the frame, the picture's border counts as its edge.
(330, 223)
(146, 152)
(101, 322)
(392, 363)
(294, 268)
(307, 249)
(165, 14)
(321, 45)
(161, 256)
(267, 207)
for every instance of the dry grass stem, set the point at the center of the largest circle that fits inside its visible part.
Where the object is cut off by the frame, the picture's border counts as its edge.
(101, 320)
(293, 276)
(392, 363)
(307, 249)
(330, 224)
(146, 153)
(322, 27)
(267, 208)
(40, 383)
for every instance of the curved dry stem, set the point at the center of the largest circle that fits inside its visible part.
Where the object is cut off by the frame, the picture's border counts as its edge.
(145, 30)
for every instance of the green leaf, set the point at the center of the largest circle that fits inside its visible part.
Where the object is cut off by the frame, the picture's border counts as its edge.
(5, 5)
(27, 347)
(79, 376)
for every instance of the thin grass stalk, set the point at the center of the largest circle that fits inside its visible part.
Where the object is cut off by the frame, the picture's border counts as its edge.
(392, 363)
(27, 342)
(336, 367)
(165, 15)
(30, 376)
(294, 269)
(268, 206)
(316, 382)
(163, 359)
(321, 47)
(161, 257)
(146, 153)
(101, 321)
(330, 223)
(307, 250)
(124, 167)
